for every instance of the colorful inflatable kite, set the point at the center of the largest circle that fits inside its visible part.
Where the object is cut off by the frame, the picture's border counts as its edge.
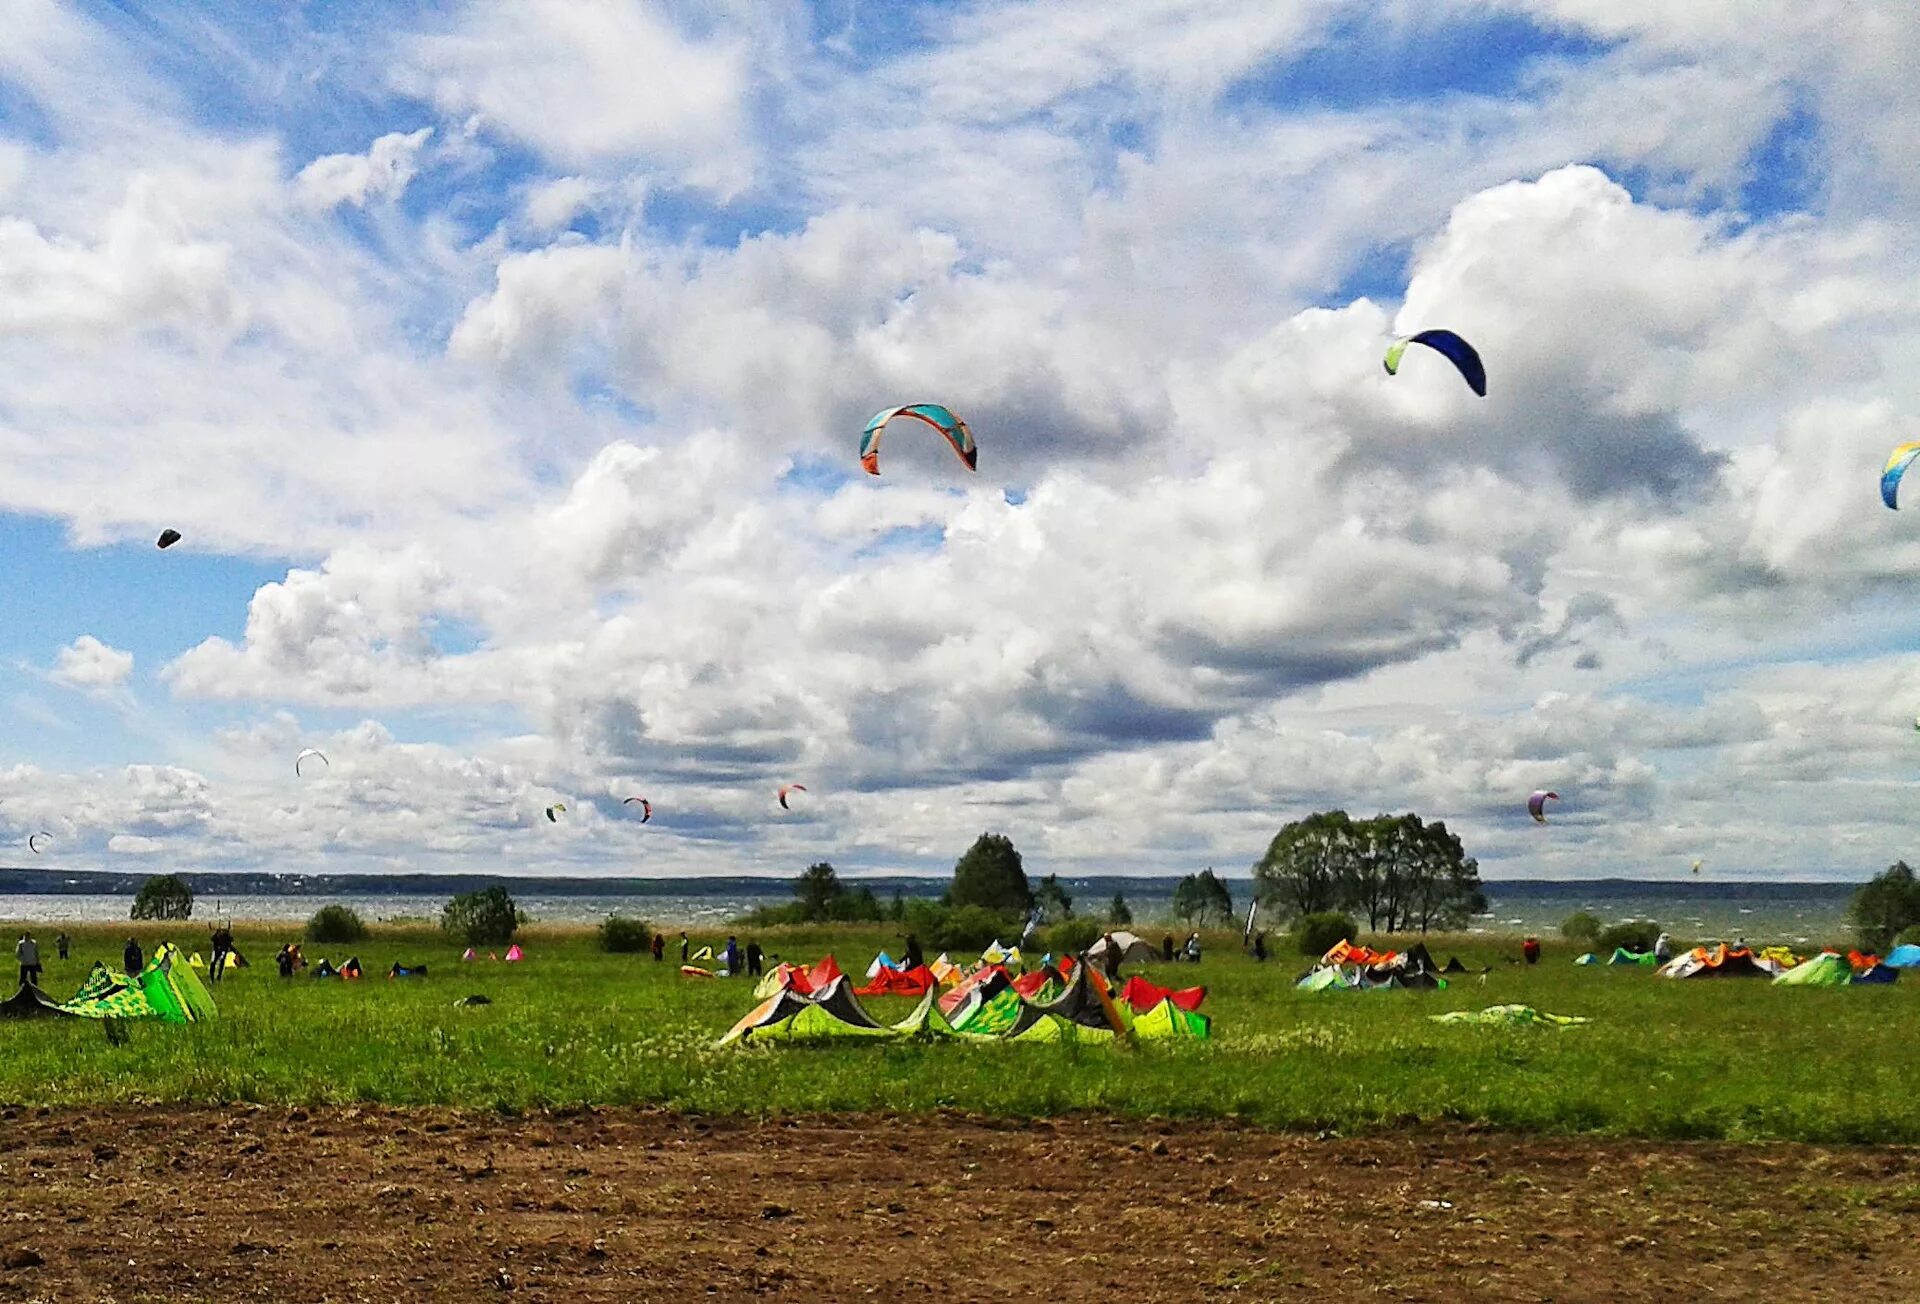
(1896, 467)
(310, 752)
(1537, 805)
(646, 807)
(951, 427)
(786, 788)
(1450, 346)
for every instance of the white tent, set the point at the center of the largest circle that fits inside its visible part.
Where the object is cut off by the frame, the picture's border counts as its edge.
(1133, 949)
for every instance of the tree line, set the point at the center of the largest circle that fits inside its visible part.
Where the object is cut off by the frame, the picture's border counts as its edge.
(1401, 873)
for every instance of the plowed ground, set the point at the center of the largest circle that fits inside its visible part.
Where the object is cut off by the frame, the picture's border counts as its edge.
(349, 1204)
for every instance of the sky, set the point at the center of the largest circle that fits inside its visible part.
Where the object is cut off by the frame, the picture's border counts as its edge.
(503, 367)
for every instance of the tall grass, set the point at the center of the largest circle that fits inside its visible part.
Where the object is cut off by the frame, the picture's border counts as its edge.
(575, 1026)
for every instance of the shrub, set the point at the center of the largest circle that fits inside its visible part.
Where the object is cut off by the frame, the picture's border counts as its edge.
(164, 896)
(1320, 933)
(625, 936)
(1910, 937)
(484, 918)
(1634, 935)
(1582, 927)
(959, 929)
(1072, 936)
(336, 924)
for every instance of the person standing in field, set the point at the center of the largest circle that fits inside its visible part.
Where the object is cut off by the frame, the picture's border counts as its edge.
(1260, 946)
(1662, 949)
(1193, 948)
(685, 948)
(284, 962)
(756, 959)
(222, 948)
(61, 943)
(27, 951)
(1166, 948)
(131, 959)
(732, 956)
(915, 957)
(1110, 958)
(659, 947)
(1530, 948)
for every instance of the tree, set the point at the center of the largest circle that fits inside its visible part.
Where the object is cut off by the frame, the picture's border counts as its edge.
(1307, 865)
(1581, 927)
(817, 890)
(484, 918)
(1320, 932)
(336, 923)
(1440, 882)
(1053, 901)
(624, 936)
(1885, 906)
(1117, 913)
(990, 875)
(164, 896)
(1202, 898)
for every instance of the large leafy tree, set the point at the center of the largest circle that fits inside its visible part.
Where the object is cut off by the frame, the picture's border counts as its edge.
(1053, 900)
(1308, 867)
(991, 875)
(488, 917)
(1885, 906)
(1201, 899)
(164, 896)
(818, 889)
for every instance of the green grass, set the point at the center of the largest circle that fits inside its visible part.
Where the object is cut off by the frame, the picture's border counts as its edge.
(1710, 1059)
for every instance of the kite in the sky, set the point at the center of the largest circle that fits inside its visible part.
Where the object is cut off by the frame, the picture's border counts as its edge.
(951, 427)
(559, 806)
(786, 788)
(167, 539)
(313, 752)
(1895, 468)
(33, 843)
(1450, 346)
(646, 807)
(1697, 864)
(1537, 805)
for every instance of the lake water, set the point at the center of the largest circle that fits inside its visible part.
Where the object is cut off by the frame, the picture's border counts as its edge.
(1796, 913)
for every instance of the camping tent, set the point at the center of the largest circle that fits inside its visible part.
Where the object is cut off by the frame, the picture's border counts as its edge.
(1621, 955)
(1904, 957)
(1828, 969)
(1133, 949)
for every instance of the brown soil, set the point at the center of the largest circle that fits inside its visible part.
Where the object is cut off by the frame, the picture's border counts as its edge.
(348, 1204)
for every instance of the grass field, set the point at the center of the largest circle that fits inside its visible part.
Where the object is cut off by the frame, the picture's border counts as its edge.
(1733, 1059)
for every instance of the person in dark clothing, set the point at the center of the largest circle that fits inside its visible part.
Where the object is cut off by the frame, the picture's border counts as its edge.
(284, 962)
(1260, 946)
(1110, 958)
(131, 959)
(915, 958)
(659, 946)
(61, 943)
(27, 951)
(732, 956)
(1166, 948)
(686, 947)
(756, 959)
(222, 948)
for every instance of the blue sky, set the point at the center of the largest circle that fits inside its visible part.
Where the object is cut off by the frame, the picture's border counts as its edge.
(508, 417)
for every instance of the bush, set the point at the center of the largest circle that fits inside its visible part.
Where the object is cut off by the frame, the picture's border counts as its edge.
(1634, 935)
(1072, 936)
(1582, 927)
(1320, 933)
(1911, 937)
(336, 924)
(484, 918)
(625, 936)
(164, 896)
(959, 929)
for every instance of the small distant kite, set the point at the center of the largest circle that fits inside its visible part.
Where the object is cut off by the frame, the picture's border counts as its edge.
(33, 843)
(1697, 864)
(1450, 346)
(167, 539)
(646, 807)
(1537, 805)
(560, 807)
(951, 427)
(786, 788)
(1896, 467)
(313, 753)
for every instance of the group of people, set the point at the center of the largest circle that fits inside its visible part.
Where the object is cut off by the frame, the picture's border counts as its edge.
(27, 952)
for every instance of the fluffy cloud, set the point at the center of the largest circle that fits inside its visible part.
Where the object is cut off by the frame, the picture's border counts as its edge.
(381, 173)
(559, 451)
(91, 666)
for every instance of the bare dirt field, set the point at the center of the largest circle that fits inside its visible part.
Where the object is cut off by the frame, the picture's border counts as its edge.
(351, 1204)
